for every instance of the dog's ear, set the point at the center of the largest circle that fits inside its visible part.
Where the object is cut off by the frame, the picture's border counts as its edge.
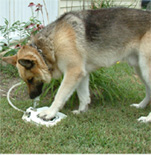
(10, 60)
(28, 64)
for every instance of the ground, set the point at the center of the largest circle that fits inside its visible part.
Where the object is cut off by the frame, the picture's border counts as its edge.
(7, 83)
(109, 126)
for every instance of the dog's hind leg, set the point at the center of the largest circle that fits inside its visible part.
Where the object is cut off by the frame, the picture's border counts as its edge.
(144, 68)
(147, 98)
(84, 95)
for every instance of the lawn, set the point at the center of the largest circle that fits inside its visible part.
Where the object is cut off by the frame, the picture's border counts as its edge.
(109, 126)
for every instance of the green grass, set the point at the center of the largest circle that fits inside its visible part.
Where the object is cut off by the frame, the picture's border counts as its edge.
(109, 126)
(8, 69)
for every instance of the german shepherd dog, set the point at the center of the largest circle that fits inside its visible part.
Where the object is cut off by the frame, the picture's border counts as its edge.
(80, 42)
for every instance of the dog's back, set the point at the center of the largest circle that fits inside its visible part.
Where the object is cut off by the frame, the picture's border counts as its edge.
(106, 25)
(103, 32)
(123, 22)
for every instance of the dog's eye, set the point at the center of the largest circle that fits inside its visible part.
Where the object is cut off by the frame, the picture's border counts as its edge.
(30, 80)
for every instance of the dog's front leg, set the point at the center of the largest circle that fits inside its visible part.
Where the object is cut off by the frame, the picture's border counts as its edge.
(69, 84)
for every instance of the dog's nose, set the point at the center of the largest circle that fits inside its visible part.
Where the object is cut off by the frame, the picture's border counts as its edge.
(34, 94)
(36, 91)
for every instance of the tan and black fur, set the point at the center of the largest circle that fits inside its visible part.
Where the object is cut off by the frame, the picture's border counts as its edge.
(80, 42)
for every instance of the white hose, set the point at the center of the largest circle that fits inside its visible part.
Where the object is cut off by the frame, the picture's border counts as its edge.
(33, 114)
(8, 97)
(36, 100)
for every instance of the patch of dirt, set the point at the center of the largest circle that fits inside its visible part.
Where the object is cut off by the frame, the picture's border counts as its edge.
(6, 82)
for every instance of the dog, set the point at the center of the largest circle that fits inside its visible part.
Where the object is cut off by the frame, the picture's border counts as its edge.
(80, 42)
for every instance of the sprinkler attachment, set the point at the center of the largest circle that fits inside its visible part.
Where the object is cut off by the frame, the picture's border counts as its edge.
(31, 113)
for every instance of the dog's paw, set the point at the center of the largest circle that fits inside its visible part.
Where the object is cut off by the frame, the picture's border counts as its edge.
(138, 106)
(142, 119)
(76, 112)
(82, 109)
(145, 119)
(47, 114)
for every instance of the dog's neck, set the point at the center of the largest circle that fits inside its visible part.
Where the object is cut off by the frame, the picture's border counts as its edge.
(41, 53)
(52, 67)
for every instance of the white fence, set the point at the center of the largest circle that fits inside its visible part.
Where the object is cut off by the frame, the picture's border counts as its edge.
(14, 10)
(69, 5)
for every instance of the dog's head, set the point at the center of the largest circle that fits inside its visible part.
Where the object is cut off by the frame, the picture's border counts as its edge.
(32, 69)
